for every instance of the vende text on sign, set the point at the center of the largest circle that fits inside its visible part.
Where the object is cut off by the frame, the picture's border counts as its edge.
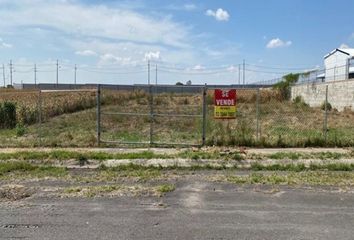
(225, 103)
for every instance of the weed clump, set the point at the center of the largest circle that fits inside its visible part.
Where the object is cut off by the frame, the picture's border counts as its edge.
(20, 130)
(323, 106)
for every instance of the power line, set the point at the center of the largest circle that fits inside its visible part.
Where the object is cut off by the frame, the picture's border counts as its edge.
(43, 71)
(270, 72)
(278, 67)
(105, 72)
(116, 66)
(22, 71)
(193, 73)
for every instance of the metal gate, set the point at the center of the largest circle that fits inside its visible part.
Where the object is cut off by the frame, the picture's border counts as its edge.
(154, 115)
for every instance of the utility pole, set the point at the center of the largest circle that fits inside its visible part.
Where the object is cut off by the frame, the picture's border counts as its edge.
(156, 76)
(35, 74)
(75, 69)
(244, 72)
(57, 72)
(149, 72)
(3, 74)
(11, 72)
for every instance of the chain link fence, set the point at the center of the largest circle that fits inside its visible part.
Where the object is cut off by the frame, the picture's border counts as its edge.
(144, 115)
(150, 115)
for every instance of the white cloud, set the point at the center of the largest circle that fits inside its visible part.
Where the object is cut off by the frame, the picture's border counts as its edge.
(86, 53)
(198, 67)
(220, 14)
(80, 20)
(4, 44)
(232, 68)
(152, 56)
(190, 7)
(343, 45)
(110, 58)
(278, 43)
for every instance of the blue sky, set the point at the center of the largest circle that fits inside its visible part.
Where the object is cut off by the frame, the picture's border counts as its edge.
(202, 41)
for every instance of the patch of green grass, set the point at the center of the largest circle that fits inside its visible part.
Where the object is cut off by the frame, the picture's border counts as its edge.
(24, 169)
(302, 155)
(333, 167)
(196, 155)
(65, 155)
(165, 188)
(316, 178)
(329, 155)
(278, 167)
(285, 155)
(301, 167)
(8, 167)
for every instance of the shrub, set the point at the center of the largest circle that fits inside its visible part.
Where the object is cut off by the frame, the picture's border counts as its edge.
(299, 102)
(20, 130)
(329, 106)
(285, 85)
(7, 115)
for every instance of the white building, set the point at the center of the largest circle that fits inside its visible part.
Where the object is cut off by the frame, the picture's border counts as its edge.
(339, 64)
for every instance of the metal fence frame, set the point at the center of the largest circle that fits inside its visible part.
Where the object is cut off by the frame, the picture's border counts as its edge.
(324, 128)
(202, 116)
(152, 116)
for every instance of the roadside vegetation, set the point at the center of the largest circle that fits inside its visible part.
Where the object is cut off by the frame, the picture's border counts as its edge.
(220, 154)
(18, 179)
(77, 155)
(312, 178)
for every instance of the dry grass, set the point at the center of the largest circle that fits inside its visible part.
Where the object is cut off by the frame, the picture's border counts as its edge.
(29, 103)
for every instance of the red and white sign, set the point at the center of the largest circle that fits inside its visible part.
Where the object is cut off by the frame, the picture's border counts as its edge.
(225, 103)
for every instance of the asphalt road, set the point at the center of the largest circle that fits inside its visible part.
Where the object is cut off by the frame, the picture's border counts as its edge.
(193, 211)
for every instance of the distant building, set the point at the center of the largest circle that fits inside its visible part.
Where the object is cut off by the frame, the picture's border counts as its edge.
(339, 65)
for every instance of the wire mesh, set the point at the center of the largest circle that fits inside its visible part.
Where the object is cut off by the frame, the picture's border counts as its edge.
(177, 114)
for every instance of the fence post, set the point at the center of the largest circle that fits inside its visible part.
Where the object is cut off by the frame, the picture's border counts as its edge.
(325, 127)
(151, 103)
(98, 114)
(257, 113)
(40, 117)
(204, 115)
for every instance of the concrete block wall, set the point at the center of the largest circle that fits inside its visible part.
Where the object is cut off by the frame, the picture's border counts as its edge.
(340, 93)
